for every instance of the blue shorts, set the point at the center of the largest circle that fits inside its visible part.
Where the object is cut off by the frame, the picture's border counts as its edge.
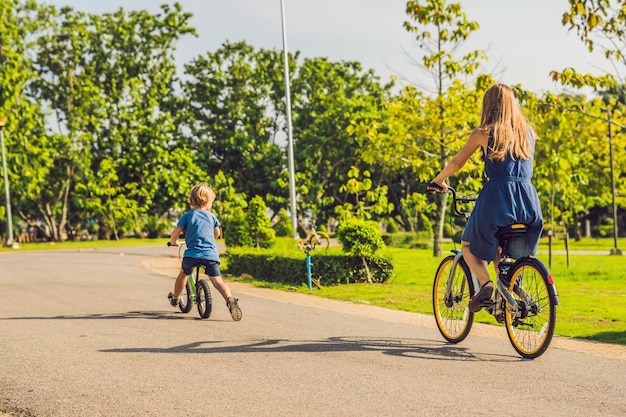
(212, 268)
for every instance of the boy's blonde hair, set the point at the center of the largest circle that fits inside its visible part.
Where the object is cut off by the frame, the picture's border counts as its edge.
(200, 195)
(502, 117)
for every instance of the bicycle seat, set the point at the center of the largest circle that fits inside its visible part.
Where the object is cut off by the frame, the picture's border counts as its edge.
(511, 241)
(511, 230)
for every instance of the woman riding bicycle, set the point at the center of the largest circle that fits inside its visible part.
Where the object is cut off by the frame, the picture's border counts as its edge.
(507, 142)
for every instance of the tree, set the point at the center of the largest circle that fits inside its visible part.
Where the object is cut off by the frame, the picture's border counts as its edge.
(563, 163)
(361, 201)
(439, 29)
(108, 79)
(229, 207)
(599, 25)
(259, 224)
(229, 115)
(328, 97)
(35, 160)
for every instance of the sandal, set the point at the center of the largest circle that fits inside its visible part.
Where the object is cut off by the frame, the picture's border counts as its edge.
(482, 295)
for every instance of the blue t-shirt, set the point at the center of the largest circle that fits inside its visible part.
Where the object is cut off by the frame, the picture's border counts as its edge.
(199, 227)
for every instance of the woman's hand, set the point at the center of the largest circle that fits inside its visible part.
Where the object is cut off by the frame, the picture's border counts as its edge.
(433, 187)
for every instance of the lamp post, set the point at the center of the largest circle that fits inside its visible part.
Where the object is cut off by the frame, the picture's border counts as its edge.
(615, 250)
(10, 242)
(292, 181)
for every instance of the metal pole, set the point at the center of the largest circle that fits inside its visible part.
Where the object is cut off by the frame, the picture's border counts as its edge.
(308, 268)
(10, 242)
(292, 175)
(615, 250)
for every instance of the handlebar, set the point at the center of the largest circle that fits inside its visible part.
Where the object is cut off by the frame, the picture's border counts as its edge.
(456, 201)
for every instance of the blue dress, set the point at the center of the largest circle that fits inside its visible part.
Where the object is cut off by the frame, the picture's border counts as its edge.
(507, 197)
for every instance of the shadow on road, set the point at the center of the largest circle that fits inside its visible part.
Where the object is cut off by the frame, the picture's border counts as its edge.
(409, 348)
(159, 315)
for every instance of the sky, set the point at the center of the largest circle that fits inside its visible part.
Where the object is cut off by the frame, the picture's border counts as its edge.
(524, 39)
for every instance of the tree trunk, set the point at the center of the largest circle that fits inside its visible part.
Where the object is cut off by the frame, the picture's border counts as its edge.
(441, 219)
(367, 270)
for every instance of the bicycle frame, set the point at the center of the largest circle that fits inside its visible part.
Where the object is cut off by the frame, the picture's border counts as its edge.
(192, 283)
(196, 290)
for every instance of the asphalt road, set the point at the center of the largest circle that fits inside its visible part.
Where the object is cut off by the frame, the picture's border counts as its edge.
(90, 333)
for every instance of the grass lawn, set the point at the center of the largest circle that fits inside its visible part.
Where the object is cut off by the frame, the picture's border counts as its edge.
(85, 244)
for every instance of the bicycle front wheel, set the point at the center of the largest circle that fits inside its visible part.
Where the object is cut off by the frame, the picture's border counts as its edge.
(531, 327)
(320, 239)
(451, 294)
(205, 304)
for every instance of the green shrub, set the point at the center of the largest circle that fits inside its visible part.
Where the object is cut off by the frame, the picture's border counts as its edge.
(236, 232)
(156, 226)
(290, 268)
(283, 226)
(259, 225)
(408, 240)
(392, 226)
(360, 237)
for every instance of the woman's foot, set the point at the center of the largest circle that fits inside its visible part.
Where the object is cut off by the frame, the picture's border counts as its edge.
(481, 296)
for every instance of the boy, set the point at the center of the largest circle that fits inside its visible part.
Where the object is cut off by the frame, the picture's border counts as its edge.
(201, 229)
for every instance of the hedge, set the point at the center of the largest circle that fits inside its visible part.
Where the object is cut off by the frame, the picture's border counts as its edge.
(330, 269)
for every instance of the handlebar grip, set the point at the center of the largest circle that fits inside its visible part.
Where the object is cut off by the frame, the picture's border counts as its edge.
(437, 188)
(169, 244)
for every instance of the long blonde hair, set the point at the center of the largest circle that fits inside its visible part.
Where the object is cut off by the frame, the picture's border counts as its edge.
(502, 118)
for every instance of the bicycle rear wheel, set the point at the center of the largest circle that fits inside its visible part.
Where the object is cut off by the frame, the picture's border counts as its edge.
(531, 328)
(205, 304)
(451, 296)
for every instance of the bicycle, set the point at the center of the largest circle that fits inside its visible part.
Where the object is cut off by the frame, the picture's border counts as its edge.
(525, 299)
(197, 291)
(314, 238)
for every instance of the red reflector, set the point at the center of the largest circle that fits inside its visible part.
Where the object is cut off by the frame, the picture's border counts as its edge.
(550, 279)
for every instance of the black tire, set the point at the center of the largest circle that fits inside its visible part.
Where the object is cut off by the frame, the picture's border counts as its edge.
(322, 240)
(452, 315)
(531, 329)
(185, 302)
(205, 303)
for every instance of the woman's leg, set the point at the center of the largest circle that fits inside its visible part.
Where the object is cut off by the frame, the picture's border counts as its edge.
(496, 261)
(476, 265)
(479, 268)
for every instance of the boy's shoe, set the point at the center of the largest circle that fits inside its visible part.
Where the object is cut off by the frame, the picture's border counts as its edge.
(483, 294)
(235, 311)
(173, 301)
